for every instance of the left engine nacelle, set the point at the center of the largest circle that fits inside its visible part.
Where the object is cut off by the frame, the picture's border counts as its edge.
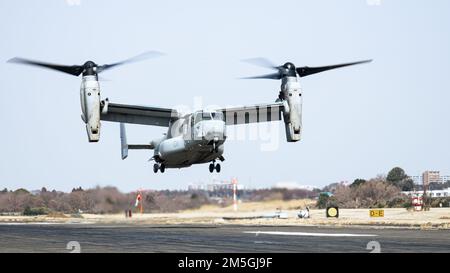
(90, 106)
(292, 96)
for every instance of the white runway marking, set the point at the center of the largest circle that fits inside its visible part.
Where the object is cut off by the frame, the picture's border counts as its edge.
(28, 224)
(310, 234)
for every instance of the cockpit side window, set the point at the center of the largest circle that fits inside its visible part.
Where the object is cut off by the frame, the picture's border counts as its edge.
(217, 115)
(185, 126)
(198, 117)
(201, 116)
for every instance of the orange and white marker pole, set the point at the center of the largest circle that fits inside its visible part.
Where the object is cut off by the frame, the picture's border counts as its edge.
(234, 182)
(139, 202)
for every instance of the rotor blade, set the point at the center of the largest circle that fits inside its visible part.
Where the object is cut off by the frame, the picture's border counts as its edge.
(75, 70)
(273, 76)
(261, 62)
(138, 58)
(306, 71)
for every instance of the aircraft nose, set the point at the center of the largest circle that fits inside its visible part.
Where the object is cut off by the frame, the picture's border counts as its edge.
(215, 130)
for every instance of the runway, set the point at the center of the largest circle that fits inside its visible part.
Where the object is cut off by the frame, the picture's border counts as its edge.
(174, 238)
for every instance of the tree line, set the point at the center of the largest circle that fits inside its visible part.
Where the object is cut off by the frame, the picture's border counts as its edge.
(379, 192)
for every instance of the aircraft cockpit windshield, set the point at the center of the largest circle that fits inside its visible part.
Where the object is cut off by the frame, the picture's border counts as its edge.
(208, 116)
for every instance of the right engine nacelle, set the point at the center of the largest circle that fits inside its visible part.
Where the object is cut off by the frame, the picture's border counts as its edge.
(293, 133)
(90, 106)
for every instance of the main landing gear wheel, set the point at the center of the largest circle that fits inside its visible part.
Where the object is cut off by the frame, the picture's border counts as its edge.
(160, 167)
(213, 166)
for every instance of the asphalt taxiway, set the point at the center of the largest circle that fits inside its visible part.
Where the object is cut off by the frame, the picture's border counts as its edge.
(226, 238)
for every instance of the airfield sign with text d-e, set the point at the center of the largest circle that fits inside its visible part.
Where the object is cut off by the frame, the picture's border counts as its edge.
(376, 213)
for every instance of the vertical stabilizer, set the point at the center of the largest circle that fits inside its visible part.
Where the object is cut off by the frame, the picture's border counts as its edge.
(123, 141)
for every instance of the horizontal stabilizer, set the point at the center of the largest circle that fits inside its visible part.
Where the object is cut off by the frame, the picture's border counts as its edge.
(125, 147)
(140, 147)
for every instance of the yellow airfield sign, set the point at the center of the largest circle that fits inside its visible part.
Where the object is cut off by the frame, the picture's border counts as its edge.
(376, 213)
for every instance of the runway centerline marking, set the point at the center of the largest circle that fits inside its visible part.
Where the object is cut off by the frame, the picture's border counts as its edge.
(314, 234)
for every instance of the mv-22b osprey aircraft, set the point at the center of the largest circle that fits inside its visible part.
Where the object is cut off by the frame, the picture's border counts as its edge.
(193, 138)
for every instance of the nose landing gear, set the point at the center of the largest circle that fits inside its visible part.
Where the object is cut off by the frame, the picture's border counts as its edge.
(215, 148)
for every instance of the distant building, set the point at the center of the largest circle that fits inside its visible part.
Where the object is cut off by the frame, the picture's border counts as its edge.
(430, 177)
(214, 186)
(293, 186)
(417, 179)
(333, 186)
(326, 193)
(432, 193)
(35, 192)
(445, 178)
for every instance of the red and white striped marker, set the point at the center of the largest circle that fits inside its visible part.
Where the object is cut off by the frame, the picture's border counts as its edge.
(139, 201)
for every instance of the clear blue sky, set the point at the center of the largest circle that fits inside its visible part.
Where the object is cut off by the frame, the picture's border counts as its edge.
(358, 121)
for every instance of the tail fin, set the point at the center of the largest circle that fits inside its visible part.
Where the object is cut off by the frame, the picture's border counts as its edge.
(124, 145)
(123, 141)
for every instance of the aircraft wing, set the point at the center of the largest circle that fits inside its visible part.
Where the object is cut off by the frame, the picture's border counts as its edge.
(137, 114)
(252, 113)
